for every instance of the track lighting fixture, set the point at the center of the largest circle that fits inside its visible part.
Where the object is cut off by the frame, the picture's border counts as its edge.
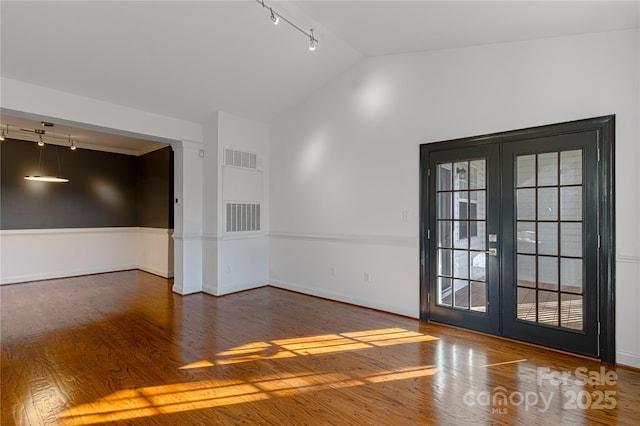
(275, 18)
(38, 135)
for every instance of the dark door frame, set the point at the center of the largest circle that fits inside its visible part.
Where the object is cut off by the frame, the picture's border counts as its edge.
(605, 128)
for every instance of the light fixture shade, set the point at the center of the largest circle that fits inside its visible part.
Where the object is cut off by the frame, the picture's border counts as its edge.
(274, 18)
(46, 178)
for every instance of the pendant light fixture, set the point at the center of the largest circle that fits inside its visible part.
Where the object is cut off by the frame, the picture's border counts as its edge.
(47, 178)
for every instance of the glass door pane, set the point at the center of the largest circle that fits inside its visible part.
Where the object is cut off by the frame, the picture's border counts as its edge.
(548, 211)
(461, 216)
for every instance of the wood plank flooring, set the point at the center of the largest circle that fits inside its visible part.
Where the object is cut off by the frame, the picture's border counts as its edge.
(120, 348)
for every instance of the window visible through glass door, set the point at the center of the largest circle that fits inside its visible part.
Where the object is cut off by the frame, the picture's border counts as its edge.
(461, 205)
(549, 198)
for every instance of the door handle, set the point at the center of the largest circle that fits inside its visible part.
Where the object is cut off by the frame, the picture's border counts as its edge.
(492, 252)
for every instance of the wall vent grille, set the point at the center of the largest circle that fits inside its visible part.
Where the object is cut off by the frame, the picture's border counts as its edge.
(243, 159)
(242, 217)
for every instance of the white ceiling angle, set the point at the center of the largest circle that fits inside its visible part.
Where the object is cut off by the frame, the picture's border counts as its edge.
(187, 60)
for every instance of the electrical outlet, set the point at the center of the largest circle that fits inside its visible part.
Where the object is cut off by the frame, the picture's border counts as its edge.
(405, 216)
(367, 277)
(333, 271)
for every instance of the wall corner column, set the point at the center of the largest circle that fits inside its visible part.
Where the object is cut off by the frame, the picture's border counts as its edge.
(188, 207)
(211, 205)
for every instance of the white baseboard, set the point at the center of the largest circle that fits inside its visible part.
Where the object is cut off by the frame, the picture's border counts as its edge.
(236, 287)
(155, 271)
(628, 358)
(65, 274)
(177, 288)
(341, 298)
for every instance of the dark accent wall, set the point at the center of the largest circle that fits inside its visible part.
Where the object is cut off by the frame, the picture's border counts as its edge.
(104, 189)
(155, 189)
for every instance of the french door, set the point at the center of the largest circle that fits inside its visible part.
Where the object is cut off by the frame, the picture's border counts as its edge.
(463, 229)
(512, 234)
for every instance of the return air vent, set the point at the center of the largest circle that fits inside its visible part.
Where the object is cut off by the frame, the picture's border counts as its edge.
(243, 217)
(240, 159)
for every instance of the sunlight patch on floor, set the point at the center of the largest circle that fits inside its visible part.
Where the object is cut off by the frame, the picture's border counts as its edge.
(179, 397)
(164, 399)
(197, 364)
(321, 344)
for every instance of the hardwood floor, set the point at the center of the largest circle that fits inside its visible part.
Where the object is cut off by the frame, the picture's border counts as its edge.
(120, 348)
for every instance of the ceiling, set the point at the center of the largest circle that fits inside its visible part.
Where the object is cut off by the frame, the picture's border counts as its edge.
(22, 128)
(376, 28)
(188, 59)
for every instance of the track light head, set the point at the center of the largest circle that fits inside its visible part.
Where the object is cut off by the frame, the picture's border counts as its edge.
(40, 142)
(72, 144)
(274, 18)
(312, 41)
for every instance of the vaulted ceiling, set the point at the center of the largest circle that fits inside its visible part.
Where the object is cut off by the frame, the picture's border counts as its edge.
(189, 59)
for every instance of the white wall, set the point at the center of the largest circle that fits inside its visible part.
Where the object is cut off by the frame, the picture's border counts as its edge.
(234, 261)
(39, 254)
(344, 163)
(155, 251)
